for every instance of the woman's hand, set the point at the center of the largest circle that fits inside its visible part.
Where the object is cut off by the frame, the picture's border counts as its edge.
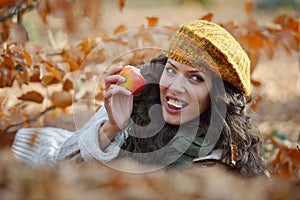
(118, 103)
(117, 100)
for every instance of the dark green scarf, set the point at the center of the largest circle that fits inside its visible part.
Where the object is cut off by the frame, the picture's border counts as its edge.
(178, 152)
(186, 146)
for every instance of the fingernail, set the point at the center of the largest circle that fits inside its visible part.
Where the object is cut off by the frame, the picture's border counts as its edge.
(123, 79)
(128, 92)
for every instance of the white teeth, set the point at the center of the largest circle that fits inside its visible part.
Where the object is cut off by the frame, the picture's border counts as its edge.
(175, 103)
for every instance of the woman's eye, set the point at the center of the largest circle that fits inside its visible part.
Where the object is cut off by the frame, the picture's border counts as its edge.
(197, 78)
(170, 70)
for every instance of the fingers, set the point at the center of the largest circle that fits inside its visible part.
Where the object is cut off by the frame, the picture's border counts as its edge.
(115, 70)
(112, 77)
(118, 103)
(116, 89)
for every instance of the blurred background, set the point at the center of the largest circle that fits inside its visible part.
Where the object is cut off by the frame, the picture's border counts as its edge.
(44, 43)
(107, 15)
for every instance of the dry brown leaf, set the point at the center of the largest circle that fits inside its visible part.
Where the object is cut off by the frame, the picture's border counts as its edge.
(255, 83)
(4, 28)
(74, 66)
(288, 22)
(61, 99)
(121, 4)
(87, 45)
(8, 62)
(121, 28)
(20, 77)
(249, 7)
(270, 47)
(27, 58)
(289, 41)
(152, 21)
(6, 139)
(35, 77)
(33, 96)
(207, 17)
(286, 163)
(45, 76)
(234, 153)
(67, 85)
(54, 72)
(5, 3)
(2, 80)
(255, 41)
(6, 78)
(100, 96)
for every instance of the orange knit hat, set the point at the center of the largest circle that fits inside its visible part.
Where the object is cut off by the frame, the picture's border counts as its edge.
(211, 48)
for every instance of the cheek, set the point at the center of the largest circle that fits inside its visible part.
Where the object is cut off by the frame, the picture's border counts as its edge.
(164, 82)
(162, 89)
(205, 101)
(162, 78)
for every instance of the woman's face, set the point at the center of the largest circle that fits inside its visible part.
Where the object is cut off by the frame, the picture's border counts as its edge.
(184, 92)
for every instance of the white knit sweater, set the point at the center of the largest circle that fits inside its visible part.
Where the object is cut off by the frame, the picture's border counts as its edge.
(53, 144)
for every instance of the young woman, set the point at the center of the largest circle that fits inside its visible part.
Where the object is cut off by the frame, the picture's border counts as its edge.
(192, 109)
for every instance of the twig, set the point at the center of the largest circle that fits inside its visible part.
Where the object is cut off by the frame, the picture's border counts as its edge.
(17, 11)
(29, 120)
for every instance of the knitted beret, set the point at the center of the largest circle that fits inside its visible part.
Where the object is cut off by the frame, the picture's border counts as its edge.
(211, 49)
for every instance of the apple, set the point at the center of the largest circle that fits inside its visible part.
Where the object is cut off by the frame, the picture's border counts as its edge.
(135, 82)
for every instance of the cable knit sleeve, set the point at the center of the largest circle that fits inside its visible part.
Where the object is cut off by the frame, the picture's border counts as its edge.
(39, 146)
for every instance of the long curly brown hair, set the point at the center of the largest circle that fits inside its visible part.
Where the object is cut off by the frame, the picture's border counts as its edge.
(236, 129)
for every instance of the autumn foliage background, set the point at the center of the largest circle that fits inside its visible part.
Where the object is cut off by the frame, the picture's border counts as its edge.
(52, 52)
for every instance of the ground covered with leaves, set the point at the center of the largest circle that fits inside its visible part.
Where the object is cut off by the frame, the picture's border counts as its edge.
(96, 181)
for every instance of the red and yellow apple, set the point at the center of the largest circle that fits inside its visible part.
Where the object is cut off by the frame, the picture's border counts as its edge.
(135, 82)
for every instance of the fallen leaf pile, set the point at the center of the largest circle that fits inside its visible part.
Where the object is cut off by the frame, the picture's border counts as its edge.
(97, 181)
(282, 155)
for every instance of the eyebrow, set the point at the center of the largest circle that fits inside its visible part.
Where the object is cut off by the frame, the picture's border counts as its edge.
(190, 71)
(171, 64)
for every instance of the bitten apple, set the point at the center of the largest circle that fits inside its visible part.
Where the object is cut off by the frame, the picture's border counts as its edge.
(135, 82)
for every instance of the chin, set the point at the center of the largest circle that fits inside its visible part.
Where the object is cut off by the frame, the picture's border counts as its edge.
(172, 119)
(172, 122)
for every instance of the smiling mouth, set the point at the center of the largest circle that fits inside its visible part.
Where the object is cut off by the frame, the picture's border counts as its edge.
(175, 104)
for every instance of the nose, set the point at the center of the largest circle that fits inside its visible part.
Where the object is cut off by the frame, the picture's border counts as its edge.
(178, 84)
